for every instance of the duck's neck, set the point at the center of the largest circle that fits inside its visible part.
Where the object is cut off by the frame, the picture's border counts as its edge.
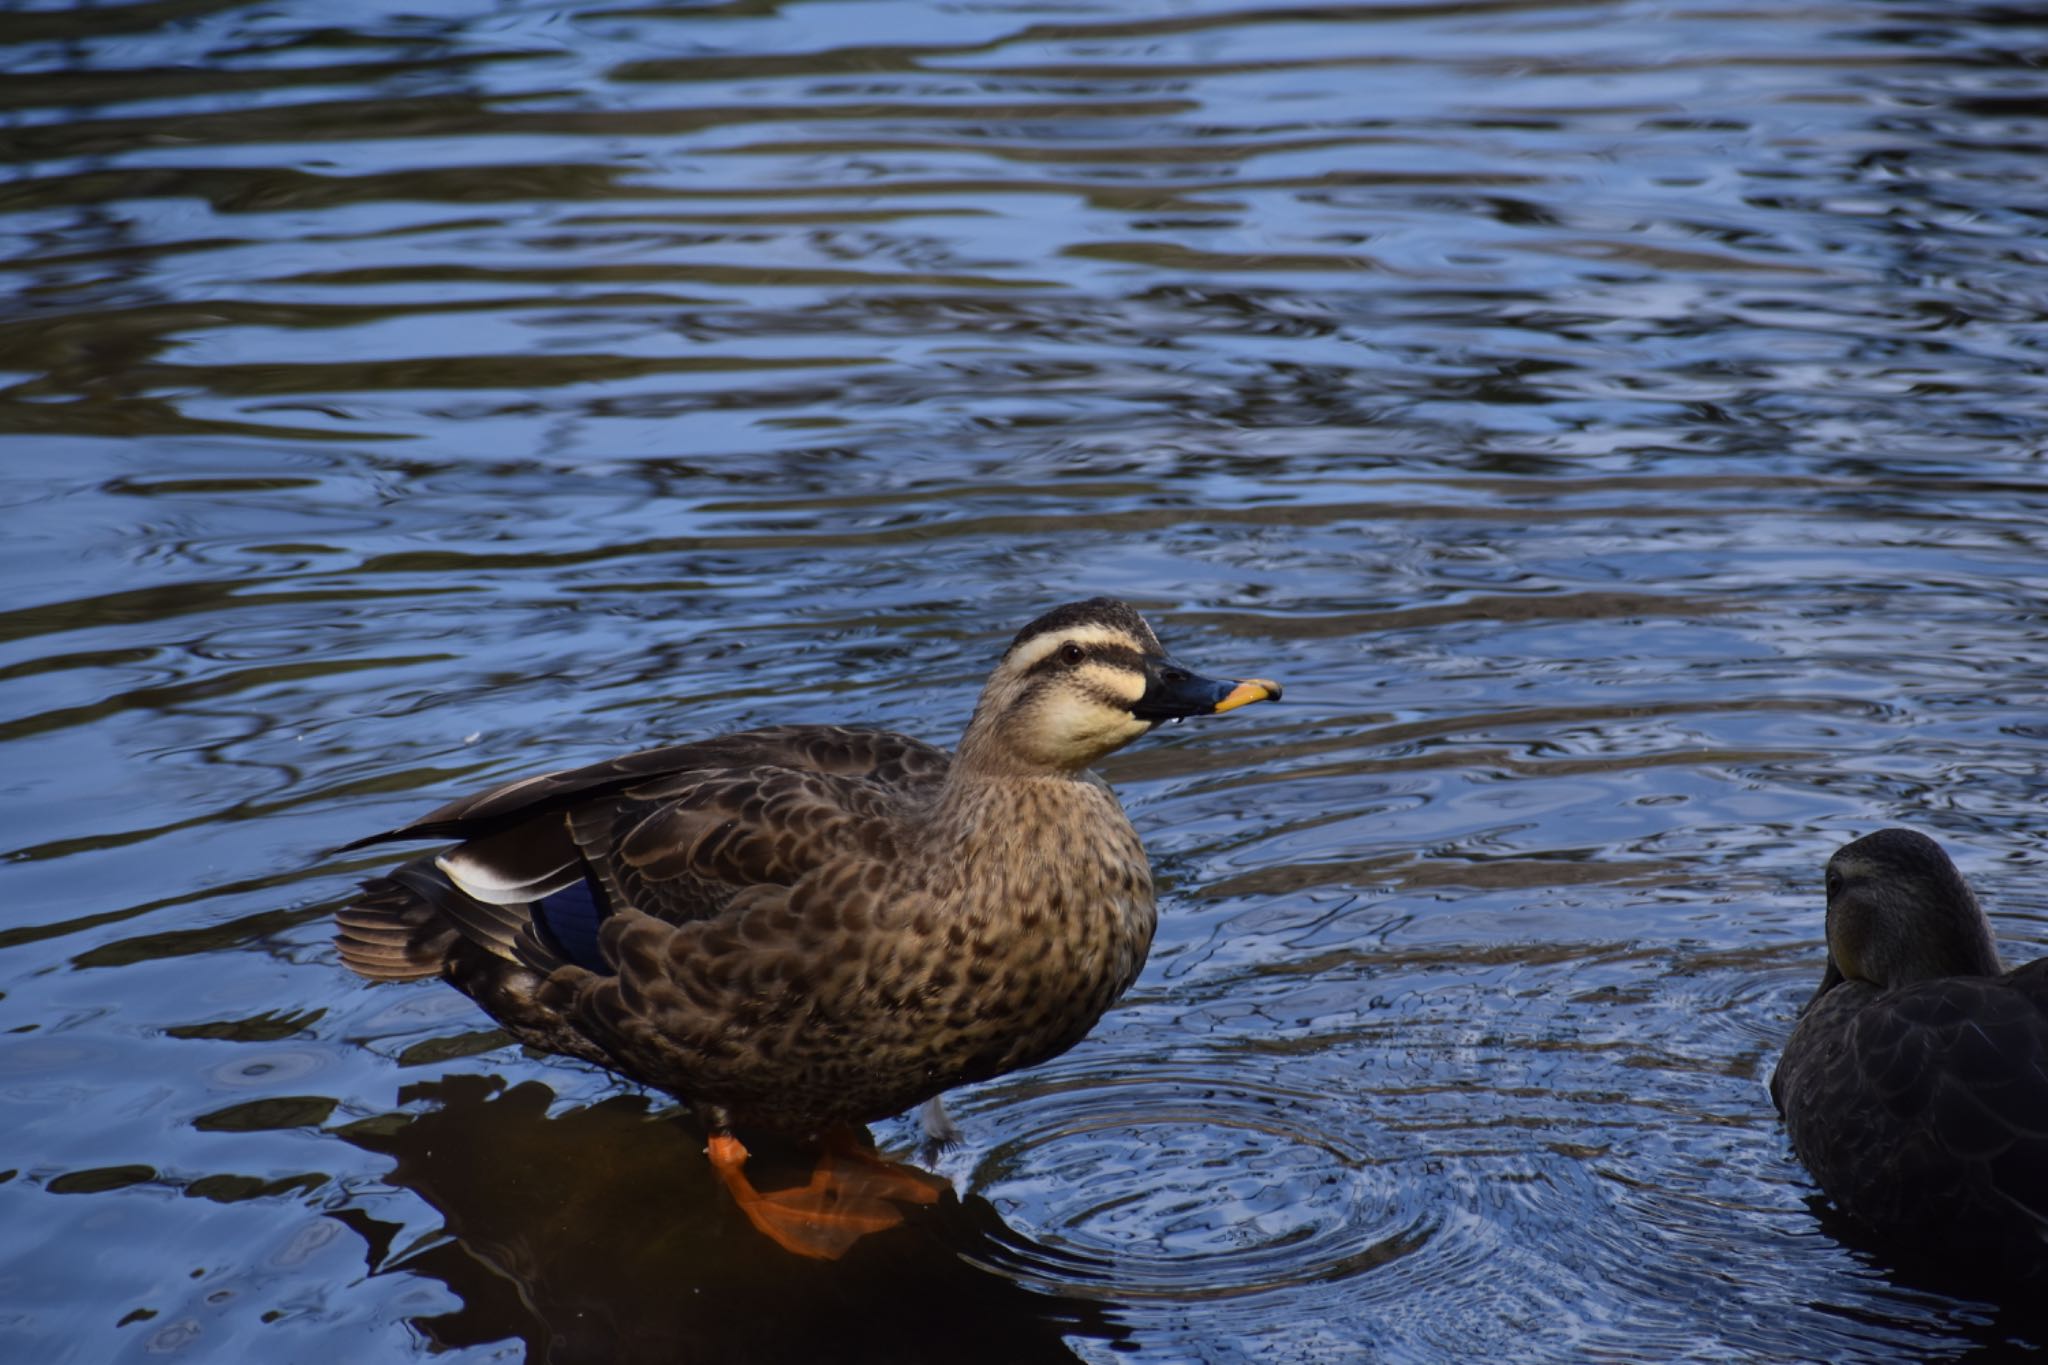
(989, 790)
(986, 753)
(996, 808)
(1963, 948)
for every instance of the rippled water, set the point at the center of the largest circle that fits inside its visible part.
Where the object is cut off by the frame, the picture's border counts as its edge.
(1620, 425)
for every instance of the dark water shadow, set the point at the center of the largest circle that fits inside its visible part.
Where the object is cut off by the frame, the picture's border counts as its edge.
(2011, 1313)
(600, 1234)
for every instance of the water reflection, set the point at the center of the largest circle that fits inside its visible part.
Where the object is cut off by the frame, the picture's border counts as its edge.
(599, 1233)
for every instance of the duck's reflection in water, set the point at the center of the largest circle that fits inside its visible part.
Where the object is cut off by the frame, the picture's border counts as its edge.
(601, 1234)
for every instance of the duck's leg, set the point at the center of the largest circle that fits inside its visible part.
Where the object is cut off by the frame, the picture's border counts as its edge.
(850, 1195)
(940, 1131)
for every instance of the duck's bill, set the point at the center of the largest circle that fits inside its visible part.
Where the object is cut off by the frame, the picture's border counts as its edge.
(1247, 692)
(1175, 693)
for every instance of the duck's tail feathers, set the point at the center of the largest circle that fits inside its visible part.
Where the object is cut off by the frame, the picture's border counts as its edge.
(405, 925)
(395, 929)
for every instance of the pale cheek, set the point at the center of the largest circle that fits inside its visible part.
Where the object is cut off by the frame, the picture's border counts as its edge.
(1126, 728)
(1084, 730)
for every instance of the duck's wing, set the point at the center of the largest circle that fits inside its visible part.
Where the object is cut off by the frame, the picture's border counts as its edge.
(664, 845)
(1924, 1111)
(877, 756)
(674, 833)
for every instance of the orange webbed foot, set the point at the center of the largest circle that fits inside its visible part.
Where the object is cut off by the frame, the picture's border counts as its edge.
(851, 1193)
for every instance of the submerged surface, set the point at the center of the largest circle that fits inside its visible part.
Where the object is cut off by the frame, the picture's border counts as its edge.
(1619, 426)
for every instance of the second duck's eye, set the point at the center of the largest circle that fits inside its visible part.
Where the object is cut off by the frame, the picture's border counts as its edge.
(1834, 885)
(1071, 653)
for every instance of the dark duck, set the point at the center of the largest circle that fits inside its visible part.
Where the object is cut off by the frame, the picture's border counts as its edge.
(806, 928)
(1915, 1084)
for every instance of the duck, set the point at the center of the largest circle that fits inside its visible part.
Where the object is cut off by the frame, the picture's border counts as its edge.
(1914, 1086)
(803, 929)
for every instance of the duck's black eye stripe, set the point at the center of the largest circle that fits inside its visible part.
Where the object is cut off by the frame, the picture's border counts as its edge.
(1120, 656)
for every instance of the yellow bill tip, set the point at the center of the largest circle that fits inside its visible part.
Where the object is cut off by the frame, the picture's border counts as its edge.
(1247, 692)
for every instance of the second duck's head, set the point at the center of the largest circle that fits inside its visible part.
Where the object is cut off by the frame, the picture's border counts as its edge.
(1899, 912)
(1084, 680)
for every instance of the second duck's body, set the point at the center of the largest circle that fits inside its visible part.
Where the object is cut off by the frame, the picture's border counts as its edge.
(1915, 1085)
(807, 927)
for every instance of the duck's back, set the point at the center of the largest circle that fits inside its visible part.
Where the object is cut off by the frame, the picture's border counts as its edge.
(1923, 1111)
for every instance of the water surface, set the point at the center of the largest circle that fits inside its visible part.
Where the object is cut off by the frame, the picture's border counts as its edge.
(1620, 425)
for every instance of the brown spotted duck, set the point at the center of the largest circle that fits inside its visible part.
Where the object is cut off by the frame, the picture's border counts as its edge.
(806, 928)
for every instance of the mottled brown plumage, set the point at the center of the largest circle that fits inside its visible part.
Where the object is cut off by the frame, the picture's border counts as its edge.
(1915, 1084)
(809, 926)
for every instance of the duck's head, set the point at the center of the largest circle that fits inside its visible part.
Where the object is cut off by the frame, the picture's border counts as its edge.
(1084, 680)
(1899, 912)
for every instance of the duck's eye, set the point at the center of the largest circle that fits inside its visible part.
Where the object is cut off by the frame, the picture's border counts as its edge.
(1834, 885)
(1071, 653)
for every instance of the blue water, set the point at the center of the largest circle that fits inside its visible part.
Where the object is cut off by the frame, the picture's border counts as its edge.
(1619, 425)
